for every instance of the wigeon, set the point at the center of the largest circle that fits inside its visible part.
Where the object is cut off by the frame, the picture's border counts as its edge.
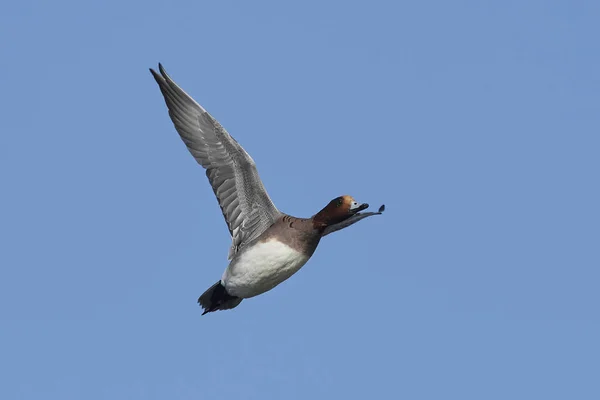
(268, 246)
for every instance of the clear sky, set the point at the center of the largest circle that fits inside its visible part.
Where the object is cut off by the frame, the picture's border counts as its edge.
(477, 124)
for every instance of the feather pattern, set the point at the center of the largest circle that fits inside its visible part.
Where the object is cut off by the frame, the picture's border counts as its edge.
(232, 173)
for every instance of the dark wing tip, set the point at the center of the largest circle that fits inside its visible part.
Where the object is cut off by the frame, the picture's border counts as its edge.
(382, 208)
(162, 70)
(163, 74)
(157, 77)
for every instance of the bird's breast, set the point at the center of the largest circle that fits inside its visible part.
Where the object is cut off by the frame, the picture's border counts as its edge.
(262, 267)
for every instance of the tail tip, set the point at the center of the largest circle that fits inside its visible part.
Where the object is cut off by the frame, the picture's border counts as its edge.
(216, 298)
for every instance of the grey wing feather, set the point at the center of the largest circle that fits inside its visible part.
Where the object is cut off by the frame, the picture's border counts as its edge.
(232, 173)
(352, 220)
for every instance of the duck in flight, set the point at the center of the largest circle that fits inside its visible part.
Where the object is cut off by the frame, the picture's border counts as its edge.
(268, 246)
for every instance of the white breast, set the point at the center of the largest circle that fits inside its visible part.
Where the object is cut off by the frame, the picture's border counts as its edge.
(261, 268)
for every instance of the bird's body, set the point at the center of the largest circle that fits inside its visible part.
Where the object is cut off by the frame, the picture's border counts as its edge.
(268, 246)
(262, 267)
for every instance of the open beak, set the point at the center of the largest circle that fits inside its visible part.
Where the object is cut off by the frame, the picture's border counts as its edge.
(358, 207)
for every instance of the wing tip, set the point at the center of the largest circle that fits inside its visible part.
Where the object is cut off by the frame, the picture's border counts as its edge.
(158, 77)
(162, 70)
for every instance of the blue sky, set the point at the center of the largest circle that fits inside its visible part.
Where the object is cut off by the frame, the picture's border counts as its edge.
(477, 124)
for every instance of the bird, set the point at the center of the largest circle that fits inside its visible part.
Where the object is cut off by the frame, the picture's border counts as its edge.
(268, 246)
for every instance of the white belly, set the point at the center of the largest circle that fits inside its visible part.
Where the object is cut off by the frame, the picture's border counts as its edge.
(261, 268)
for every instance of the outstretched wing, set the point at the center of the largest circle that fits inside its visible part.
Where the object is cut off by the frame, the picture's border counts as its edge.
(232, 173)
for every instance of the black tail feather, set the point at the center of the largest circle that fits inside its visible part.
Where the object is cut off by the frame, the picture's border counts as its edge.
(217, 298)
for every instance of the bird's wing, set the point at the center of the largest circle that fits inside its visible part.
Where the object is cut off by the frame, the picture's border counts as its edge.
(232, 173)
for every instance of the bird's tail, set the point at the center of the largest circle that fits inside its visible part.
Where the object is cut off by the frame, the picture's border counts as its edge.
(217, 298)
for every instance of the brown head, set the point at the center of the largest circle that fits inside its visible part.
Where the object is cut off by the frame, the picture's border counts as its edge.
(338, 210)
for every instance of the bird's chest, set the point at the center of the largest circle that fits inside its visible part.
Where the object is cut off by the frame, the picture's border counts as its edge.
(261, 268)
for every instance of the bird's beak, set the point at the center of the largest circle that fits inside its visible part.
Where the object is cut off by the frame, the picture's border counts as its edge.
(358, 207)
